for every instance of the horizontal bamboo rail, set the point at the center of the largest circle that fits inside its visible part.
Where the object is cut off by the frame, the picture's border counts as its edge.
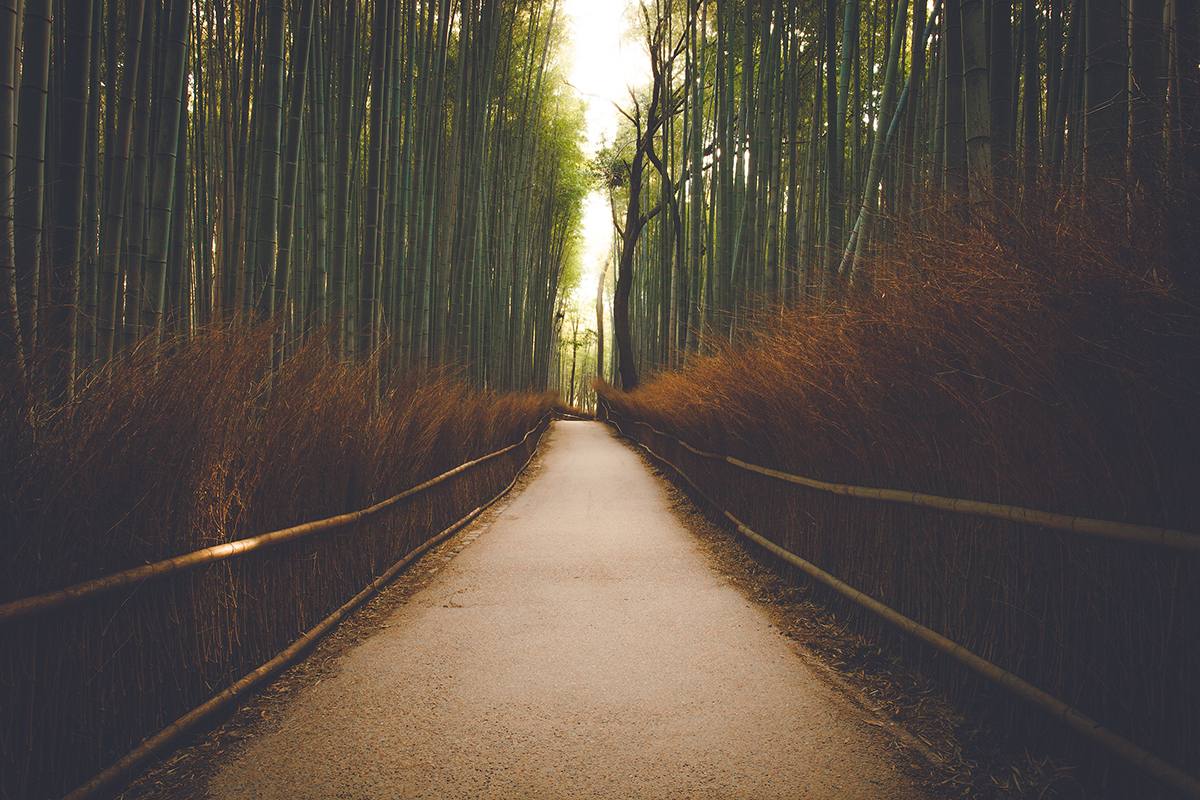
(70, 595)
(1149, 764)
(1123, 531)
(162, 742)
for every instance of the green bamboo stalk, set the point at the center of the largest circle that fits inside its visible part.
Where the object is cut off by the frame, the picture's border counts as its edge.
(850, 257)
(373, 199)
(344, 14)
(976, 111)
(955, 175)
(317, 305)
(118, 151)
(12, 360)
(301, 50)
(29, 173)
(162, 196)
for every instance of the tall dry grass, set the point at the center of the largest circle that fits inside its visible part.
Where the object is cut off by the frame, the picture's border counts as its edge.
(183, 448)
(1047, 360)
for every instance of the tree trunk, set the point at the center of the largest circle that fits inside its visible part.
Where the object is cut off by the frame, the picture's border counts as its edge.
(317, 306)
(634, 222)
(134, 252)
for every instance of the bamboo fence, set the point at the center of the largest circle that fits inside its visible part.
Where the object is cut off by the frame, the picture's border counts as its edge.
(1177, 781)
(30, 609)
(164, 740)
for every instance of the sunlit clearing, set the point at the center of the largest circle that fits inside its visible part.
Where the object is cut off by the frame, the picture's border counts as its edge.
(607, 62)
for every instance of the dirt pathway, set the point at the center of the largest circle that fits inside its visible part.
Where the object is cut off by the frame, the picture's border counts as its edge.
(580, 647)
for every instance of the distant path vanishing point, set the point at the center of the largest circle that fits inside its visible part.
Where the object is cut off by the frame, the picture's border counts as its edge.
(580, 647)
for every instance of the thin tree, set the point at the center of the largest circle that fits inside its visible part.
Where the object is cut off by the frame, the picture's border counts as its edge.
(647, 122)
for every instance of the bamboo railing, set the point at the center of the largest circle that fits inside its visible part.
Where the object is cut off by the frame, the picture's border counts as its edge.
(1123, 531)
(70, 595)
(1167, 775)
(163, 741)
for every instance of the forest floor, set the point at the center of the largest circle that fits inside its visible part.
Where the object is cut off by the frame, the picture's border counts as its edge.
(595, 635)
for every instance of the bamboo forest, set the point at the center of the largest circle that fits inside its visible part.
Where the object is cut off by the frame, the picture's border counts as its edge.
(269, 264)
(410, 174)
(779, 141)
(369, 167)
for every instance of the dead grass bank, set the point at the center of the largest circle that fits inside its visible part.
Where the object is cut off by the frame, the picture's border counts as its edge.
(196, 445)
(1048, 360)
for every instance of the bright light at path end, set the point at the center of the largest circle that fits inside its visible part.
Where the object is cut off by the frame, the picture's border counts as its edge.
(606, 63)
(597, 233)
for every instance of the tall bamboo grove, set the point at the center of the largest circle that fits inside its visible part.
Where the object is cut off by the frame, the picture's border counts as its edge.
(399, 173)
(778, 141)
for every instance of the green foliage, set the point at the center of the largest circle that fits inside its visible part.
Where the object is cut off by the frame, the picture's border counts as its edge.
(424, 131)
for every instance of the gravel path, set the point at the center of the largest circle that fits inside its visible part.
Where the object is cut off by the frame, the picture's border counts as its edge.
(580, 647)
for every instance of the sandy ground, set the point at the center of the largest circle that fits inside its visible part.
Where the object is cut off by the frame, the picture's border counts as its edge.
(580, 646)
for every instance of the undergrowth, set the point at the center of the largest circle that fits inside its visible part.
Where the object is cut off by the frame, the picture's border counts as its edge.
(190, 445)
(1047, 358)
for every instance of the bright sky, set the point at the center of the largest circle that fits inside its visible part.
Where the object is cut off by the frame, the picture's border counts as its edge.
(605, 64)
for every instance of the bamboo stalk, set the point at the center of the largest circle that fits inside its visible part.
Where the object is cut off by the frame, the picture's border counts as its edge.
(1176, 780)
(162, 741)
(70, 595)
(1123, 531)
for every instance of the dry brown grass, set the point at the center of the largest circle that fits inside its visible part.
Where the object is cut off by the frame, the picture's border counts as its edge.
(191, 446)
(1044, 360)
